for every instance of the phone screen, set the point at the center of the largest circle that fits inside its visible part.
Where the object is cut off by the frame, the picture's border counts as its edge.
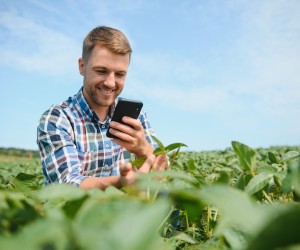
(125, 107)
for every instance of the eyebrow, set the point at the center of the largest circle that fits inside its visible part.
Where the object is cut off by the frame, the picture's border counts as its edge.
(99, 67)
(104, 68)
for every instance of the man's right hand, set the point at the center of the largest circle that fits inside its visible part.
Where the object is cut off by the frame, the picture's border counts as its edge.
(128, 173)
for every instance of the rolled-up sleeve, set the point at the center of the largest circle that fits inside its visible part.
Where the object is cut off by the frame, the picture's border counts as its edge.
(59, 156)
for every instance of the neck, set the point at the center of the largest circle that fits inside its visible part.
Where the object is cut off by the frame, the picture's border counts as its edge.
(102, 113)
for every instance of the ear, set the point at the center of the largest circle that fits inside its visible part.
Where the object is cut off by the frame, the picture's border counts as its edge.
(81, 66)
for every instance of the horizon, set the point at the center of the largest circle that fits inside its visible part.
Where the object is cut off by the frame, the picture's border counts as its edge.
(183, 149)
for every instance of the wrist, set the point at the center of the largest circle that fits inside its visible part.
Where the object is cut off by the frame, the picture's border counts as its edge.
(145, 152)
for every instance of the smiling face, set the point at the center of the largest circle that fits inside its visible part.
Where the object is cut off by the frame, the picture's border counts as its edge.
(104, 76)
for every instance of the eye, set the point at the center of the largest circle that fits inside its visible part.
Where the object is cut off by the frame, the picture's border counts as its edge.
(101, 71)
(120, 74)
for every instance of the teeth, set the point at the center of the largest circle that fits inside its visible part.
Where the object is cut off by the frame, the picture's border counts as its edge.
(106, 91)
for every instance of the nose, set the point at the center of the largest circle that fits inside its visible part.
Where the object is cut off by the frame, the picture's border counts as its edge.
(110, 81)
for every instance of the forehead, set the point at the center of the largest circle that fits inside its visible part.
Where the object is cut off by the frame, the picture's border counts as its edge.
(103, 57)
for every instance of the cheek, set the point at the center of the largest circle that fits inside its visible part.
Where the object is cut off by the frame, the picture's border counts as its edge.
(84, 81)
(92, 79)
(120, 84)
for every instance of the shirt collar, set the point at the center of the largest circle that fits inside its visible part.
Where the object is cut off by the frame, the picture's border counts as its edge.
(83, 104)
(90, 112)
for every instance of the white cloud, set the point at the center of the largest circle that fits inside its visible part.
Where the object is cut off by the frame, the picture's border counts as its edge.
(32, 33)
(269, 82)
(31, 46)
(271, 44)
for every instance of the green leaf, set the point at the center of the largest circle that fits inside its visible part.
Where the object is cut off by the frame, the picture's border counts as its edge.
(258, 182)
(26, 184)
(223, 178)
(240, 182)
(120, 224)
(246, 155)
(61, 192)
(138, 162)
(176, 174)
(280, 232)
(152, 181)
(47, 233)
(159, 143)
(234, 238)
(189, 201)
(174, 146)
(160, 150)
(267, 169)
(292, 180)
(112, 191)
(183, 237)
(72, 206)
(142, 225)
(237, 209)
(272, 158)
(289, 156)
(191, 164)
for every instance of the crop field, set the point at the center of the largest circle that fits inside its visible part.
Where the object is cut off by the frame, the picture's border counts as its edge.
(237, 198)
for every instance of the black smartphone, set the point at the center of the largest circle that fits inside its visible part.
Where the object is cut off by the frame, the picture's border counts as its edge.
(125, 107)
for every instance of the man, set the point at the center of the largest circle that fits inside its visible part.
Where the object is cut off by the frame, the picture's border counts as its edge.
(72, 137)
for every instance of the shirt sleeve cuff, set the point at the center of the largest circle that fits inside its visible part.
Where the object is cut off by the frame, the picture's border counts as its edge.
(75, 181)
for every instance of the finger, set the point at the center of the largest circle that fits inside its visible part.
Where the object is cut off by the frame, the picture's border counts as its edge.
(160, 163)
(145, 168)
(135, 123)
(125, 168)
(119, 126)
(125, 133)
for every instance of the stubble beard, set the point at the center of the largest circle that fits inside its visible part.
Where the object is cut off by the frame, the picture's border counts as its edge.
(93, 99)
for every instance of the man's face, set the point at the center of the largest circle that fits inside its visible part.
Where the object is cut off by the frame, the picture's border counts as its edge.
(104, 77)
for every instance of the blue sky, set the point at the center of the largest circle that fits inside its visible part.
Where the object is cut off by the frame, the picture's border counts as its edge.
(208, 72)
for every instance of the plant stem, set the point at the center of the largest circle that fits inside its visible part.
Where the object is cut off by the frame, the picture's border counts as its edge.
(165, 219)
(267, 197)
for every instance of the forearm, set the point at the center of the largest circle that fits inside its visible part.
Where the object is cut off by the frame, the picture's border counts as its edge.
(101, 182)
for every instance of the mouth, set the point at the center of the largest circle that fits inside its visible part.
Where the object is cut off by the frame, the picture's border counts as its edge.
(106, 91)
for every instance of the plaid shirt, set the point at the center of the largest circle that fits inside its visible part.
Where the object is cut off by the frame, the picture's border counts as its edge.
(73, 143)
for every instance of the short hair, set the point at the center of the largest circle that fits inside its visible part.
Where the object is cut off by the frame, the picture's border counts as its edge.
(111, 38)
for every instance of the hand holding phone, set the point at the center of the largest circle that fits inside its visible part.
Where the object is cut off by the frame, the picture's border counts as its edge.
(125, 107)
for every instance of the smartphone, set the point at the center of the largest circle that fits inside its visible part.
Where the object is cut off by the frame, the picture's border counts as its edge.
(125, 107)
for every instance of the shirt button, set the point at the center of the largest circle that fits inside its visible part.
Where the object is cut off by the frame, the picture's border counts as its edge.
(107, 145)
(103, 126)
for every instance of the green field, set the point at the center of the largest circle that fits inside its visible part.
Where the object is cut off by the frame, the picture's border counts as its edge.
(237, 198)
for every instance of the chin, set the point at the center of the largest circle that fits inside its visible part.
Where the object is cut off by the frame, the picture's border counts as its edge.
(107, 103)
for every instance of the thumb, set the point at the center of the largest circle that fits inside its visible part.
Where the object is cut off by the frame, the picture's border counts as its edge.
(145, 168)
(125, 168)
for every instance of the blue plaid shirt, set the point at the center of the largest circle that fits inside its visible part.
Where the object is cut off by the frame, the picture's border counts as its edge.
(73, 143)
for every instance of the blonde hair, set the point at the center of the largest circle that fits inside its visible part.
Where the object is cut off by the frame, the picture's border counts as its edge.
(111, 38)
